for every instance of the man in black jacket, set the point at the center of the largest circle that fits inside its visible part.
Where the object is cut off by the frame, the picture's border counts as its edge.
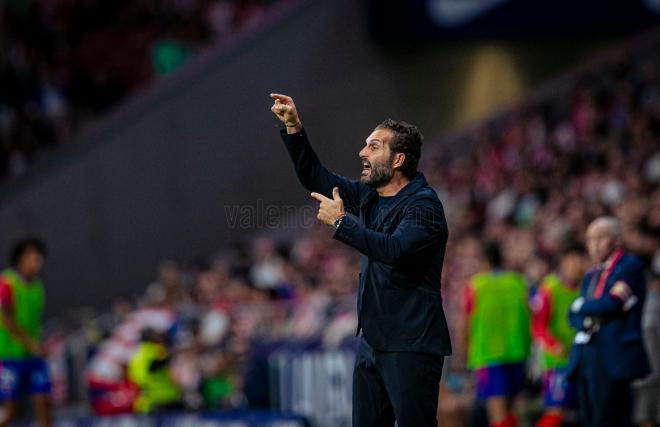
(396, 221)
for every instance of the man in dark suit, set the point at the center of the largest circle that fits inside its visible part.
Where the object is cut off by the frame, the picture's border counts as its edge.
(608, 352)
(395, 219)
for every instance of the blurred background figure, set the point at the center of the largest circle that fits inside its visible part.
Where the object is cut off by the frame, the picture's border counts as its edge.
(149, 369)
(169, 289)
(647, 390)
(552, 331)
(23, 368)
(499, 328)
(608, 352)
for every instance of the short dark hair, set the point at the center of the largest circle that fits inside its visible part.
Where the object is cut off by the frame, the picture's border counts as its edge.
(24, 245)
(493, 254)
(572, 248)
(407, 140)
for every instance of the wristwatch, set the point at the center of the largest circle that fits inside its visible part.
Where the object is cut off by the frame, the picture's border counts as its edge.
(338, 221)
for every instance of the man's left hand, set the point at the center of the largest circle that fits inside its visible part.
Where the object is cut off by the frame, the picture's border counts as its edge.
(330, 210)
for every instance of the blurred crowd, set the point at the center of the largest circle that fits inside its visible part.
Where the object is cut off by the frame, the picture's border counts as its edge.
(534, 179)
(210, 321)
(63, 62)
(531, 181)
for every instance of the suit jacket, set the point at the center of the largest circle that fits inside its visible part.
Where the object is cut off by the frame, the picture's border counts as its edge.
(618, 311)
(399, 302)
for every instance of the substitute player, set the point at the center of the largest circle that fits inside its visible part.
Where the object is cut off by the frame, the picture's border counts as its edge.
(555, 335)
(498, 331)
(23, 370)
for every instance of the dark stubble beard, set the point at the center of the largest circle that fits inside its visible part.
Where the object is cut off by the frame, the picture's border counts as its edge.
(380, 175)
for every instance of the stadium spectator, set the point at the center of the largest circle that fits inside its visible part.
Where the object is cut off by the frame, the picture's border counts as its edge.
(499, 336)
(169, 289)
(149, 369)
(63, 63)
(266, 271)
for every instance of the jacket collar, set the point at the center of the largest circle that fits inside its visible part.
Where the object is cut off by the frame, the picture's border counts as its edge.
(417, 183)
(413, 186)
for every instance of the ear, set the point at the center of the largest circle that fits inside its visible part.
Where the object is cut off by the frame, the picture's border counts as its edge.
(399, 159)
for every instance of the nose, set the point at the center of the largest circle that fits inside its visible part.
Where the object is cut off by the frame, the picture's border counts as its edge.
(363, 152)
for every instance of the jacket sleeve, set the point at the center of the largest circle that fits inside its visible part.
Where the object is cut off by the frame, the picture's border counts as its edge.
(315, 177)
(619, 296)
(576, 320)
(422, 225)
(607, 305)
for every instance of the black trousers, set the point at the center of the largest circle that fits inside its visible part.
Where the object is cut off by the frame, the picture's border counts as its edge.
(604, 401)
(391, 386)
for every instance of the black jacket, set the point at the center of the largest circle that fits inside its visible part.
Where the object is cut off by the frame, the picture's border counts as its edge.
(399, 302)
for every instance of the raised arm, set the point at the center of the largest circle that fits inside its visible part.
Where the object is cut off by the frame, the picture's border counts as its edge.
(311, 172)
(285, 110)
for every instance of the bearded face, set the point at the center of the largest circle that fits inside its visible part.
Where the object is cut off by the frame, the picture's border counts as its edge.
(376, 159)
(378, 173)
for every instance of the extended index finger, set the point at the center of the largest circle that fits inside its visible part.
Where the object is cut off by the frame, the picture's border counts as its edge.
(319, 197)
(281, 97)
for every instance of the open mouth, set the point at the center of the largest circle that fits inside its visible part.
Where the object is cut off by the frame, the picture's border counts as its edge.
(366, 168)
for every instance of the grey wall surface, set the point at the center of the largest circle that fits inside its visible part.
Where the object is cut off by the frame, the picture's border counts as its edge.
(153, 179)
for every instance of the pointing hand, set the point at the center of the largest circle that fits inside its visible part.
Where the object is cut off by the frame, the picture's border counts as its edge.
(330, 210)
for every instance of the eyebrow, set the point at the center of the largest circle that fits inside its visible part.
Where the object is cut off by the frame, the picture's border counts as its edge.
(369, 141)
